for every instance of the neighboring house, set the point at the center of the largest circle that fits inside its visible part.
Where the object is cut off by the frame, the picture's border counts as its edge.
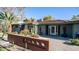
(55, 28)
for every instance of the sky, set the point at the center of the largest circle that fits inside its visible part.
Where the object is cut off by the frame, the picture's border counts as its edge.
(63, 13)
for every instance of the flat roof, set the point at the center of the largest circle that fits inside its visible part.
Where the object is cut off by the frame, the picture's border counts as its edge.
(51, 22)
(54, 22)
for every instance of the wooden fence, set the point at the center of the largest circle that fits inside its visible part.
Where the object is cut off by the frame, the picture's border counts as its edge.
(31, 43)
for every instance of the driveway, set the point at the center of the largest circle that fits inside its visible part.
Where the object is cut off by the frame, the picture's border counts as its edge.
(58, 45)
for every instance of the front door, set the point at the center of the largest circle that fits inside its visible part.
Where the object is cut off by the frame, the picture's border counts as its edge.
(58, 30)
(46, 29)
(52, 30)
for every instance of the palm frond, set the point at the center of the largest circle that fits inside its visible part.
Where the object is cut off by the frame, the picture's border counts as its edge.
(2, 16)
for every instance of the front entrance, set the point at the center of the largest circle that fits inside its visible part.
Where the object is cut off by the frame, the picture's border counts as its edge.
(59, 30)
(52, 30)
(46, 29)
(64, 32)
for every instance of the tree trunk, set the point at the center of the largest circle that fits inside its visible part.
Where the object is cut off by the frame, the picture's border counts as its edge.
(10, 28)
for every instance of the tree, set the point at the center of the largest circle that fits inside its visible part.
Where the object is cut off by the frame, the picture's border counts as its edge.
(9, 15)
(39, 20)
(9, 18)
(32, 19)
(29, 20)
(25, 20)
(21, 13)
(47, 18)
(8, 9)
(75, 17)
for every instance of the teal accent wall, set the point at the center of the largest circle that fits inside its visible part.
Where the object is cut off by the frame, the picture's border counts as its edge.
(75, 29)
(69, 30)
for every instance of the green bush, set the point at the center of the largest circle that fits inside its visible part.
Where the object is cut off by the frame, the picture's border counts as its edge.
(2, 49)
(34, 35)
(75, 41)
(25, 32)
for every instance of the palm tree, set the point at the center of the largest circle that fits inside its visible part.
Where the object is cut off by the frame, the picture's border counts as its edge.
(8, 17)
(25, 20)
(32, 19)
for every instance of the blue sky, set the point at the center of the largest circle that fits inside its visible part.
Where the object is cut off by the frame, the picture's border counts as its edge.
(63, 13)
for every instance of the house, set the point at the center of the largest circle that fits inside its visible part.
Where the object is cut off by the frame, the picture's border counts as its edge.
(57, 28)
(54, 28)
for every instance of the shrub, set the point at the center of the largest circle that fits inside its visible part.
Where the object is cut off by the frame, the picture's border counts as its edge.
(2, 49)
(75, 41)
(34, 35)
(25, 32)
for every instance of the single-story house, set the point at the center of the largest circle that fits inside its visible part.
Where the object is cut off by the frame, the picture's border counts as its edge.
(55, 28)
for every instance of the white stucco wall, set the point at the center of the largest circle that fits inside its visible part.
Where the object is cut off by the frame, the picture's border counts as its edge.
(69, 30)
(36, 29)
